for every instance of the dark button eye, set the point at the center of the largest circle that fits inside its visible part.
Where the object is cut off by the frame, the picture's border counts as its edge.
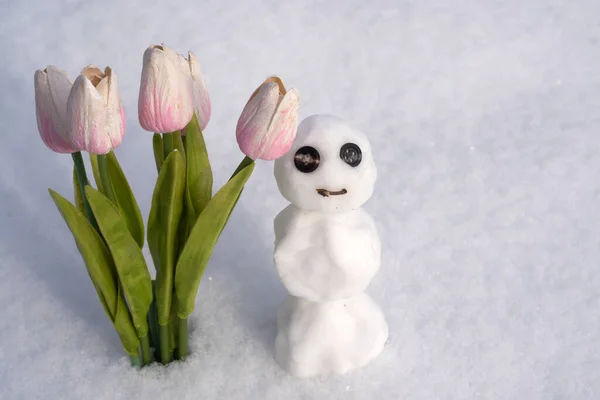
(307, 159)
(351, 154)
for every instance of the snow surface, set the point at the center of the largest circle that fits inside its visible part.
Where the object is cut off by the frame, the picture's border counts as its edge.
(484, 117)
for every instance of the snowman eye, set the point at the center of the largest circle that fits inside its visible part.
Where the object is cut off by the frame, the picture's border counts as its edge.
(351, 154)
(307, 159)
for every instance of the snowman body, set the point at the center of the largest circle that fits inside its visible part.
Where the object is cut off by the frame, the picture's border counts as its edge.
(327, 251)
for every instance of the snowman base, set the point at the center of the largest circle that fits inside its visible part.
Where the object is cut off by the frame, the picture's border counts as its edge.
(332, 337)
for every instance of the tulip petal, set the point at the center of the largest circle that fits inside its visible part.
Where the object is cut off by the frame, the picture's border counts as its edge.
(61, 86)
(52, 88)
(93, 73)
(202, 105)
(165, 101)
(254, 121)
(282, 130)
(96, 123)
(115, 110)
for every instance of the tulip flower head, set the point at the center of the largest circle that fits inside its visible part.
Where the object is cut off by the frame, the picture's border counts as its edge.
(267, 126)
(95, 113)
(201, 100)
(165, 102)
(52, 87)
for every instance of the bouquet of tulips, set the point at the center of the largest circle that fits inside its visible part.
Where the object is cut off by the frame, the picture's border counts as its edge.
(185, 219)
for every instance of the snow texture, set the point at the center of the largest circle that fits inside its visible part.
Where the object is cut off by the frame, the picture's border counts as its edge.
(326, 256)
(484, 121)
(315, 338)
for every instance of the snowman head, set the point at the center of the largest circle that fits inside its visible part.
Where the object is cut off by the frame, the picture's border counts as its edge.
(329, 167)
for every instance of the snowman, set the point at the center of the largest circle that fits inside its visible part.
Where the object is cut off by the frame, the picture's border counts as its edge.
(327, 251)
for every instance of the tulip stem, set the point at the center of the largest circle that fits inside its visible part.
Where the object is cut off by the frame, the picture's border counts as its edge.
(135, 361)
(245, 162)
(83, 182)
(146, 357)
(157, 146)
(153, 323)
(183, 338)
(165, 353)
(178, 143)
(167, 144)
(105, 177)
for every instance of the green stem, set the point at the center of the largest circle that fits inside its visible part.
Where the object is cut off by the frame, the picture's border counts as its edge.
(83, 182)
(153, 323)
(243, 164)
(183, 338)
(165, 353)
(178, 143)
(146, 357)
(167, 144)
(135, 361)
(157, 147)
(105, 177)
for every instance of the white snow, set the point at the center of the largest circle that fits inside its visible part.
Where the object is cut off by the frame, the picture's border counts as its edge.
(333, 337)
(325, 256)
(484, 121)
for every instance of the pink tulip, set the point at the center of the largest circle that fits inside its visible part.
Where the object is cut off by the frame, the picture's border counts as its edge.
(52, 87)
(165, 103)
(95, 113)
(267, 127)
(202, 108)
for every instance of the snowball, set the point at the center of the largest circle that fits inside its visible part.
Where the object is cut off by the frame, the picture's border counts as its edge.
(309, 189)
(334, 337)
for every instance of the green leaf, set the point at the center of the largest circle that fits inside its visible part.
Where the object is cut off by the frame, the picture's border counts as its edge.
(196, 253)
(124, 327)
(157, 145)
(163, 223)
(105, 305)
(100, 267)
(178, 143)
(243, 164)
(123, 195)
(96, 171)
(199, 174)
(129, 260)
(77, 192)
(128, 206)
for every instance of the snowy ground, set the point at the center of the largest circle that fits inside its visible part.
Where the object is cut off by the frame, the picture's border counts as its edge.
(485, 121)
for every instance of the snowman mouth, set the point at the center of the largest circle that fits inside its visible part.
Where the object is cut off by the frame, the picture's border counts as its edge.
(327, 193)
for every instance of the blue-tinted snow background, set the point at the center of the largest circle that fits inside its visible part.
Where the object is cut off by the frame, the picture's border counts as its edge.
(485, 122)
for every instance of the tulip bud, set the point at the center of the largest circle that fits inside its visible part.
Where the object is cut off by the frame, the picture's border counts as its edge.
(202, 108)
(52, 87)
(267, 126)
(165, 103)
(95, 113)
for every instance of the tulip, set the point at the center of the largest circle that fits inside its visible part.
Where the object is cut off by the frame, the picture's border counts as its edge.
(52, 86)
(267, 126)
(95, 113)
(165, 102)
(201, 100)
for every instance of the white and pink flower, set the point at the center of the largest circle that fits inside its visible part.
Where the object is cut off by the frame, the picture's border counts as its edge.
(95, 113)
(165, 102)
(267, 126)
